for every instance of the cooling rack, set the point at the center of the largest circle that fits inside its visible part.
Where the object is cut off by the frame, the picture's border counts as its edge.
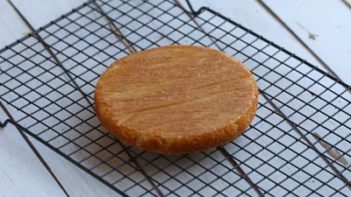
(297, 145)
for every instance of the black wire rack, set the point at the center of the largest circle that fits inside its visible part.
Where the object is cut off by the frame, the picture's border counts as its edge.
(297, 145)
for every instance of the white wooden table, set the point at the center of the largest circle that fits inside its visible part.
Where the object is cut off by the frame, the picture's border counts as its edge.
(324, 27)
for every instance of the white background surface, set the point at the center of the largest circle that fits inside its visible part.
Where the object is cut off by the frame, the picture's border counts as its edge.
(21, 174)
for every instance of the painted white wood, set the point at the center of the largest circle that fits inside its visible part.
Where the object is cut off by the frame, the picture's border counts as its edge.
(251, 15)
(40, 12)
(12, 27)
(77, 182)
(21, 172)
(325, 26)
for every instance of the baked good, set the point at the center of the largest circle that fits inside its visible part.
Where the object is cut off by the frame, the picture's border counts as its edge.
(176, 99)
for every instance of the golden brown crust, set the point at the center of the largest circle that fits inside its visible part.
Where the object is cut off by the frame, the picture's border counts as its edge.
(129, 126)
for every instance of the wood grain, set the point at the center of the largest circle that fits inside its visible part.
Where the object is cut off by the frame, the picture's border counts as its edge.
(324, 26)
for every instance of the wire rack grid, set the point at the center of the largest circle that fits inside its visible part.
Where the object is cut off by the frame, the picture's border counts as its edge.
(297, 145)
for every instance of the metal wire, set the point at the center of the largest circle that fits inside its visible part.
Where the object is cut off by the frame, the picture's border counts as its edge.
(277, 156)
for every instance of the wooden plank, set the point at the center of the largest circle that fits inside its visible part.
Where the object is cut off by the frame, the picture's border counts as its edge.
(76, 181)
(324, 26)
(12, 27)
(41, 12)
(38, 13)
(255, 17)
(22, 173)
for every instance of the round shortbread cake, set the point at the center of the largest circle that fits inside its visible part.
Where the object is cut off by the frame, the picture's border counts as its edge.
(176, 99)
